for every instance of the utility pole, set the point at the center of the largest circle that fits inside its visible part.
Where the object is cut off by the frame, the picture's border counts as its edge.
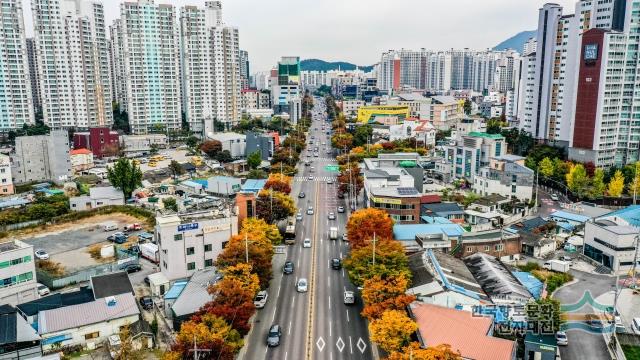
(196, 352)
(374, 249)
(246, 248)
(635, 262)
(537, 189)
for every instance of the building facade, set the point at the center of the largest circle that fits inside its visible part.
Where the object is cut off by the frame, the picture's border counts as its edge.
(73, 63)
(6, 180)
(17, 273)
(100, 140)
(41, 158)
(33, 74)
(507, 176)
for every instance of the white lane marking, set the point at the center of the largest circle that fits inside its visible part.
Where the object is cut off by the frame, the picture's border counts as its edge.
(298, 264)
(274, 315)
(289, 333)
(279, 287)
(293, 303)
(329, 302)
(343, 272)
(265, 351)
(329, 327)
(350, 345)
(348, 315)
(341, 255)
(285, 355)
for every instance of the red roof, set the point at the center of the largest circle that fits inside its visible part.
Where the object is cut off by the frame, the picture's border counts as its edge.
(81, 152)
(465, 332)
(430, 199)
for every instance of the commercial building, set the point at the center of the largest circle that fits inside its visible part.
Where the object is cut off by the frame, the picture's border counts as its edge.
(6, 180)
(286, 83)
(16, 100)
(422, 130)
(445, 112)
(17, 273)
(235, 143)
(264, 143)
(98, 197)
(81, 160)
(41, 158)
(193, 241)
(73, 63)
(385, 114)
(150, 58)
(100, 140)
(211, 64)
(611, 240)
(139, 144)
(244, 69)
(472, 152)
(254, 99)
(505, 175)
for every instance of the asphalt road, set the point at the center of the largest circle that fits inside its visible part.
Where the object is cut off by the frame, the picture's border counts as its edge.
(316, 324)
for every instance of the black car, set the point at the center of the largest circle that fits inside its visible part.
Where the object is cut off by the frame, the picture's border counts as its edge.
(288, 267)
(146, 302)
(147, 281)
(336, 264)
(340, 195)
(273, 338)
(131, 268)
(301, 195)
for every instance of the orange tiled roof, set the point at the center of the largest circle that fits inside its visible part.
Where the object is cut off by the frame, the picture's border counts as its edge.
(80, 152)
(463, 331)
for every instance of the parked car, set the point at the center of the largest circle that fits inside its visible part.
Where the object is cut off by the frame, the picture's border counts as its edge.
(302, 285)
(43, 290)
(146, 302)
(131, 268)
(288, 268)
(40, 254)
(116, 235)
(554, 197)
(261, 299)
(561, 338)
(336, 264)
(273, 337)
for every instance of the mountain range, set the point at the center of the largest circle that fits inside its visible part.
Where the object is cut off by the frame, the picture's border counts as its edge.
(516, 42)
(321, 65)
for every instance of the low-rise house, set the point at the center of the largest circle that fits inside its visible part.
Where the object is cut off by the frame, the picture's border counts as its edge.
(235, 143)
(17, 273)
(451, 211)
(428, 236)
(469, 334)
(81, 160)
(537, 236)
(87, 324)
(223, 185)
(496, 280)
(190, 187)
(422, 130)
(133, 145)
(102, 141)
(502, 244)
(18, 340)
(193, 296)
(98, 197)
(31, 309)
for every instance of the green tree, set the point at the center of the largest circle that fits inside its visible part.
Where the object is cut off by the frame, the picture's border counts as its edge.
(362, 134)
(494, 126)
(153, 149)
(224, 156)
(257, 174)
(126, 176)
(467, 107)
(577, 179)
(176, 169)
(254, 159)
(616, 185)
(170, 204)
(597, 184)
(546, 167)
(192, 142)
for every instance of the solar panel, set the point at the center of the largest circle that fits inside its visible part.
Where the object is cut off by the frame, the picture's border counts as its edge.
(407, 191)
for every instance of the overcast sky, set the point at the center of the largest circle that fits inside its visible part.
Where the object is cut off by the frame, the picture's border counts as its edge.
(358, 31)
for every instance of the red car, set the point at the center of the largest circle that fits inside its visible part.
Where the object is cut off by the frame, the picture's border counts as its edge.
(132, 227)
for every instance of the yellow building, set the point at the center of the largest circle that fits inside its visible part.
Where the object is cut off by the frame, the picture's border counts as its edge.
(368, 114)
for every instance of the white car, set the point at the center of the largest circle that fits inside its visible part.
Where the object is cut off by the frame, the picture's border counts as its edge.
(554, 197)
(41, 254)
(332, 216)
(302, 285)
(310, 177)
(261, 299)
(310, 210)
(561, 338)
(43, 290)
(306, 243)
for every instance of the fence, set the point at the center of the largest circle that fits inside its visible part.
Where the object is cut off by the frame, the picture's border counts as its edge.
(82, 275)
(605, 201)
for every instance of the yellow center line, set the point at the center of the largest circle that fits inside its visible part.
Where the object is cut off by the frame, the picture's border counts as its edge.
(312, 288)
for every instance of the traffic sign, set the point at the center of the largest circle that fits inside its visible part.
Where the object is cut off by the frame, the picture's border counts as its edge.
(334, 168)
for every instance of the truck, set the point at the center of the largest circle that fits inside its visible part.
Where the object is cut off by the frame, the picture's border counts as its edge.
(150, 252)
(132, 227)
(290, 231)
(349, 297)
(333, 233)
(557, 265)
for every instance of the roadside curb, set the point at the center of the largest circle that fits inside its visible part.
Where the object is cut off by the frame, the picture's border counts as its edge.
(563, 285)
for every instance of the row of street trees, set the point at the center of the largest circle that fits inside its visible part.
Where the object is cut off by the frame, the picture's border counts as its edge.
(221, 323)
(378, 263)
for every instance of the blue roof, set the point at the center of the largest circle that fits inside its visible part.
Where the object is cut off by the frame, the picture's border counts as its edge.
(565, 225)
(530, 282)
(191, 183)
(569, 216)
(630, 214)
(14, 202)
(254, 185)
(223, 179)
(435, 220)
(409, 231)
(202, 182)
(175, 290)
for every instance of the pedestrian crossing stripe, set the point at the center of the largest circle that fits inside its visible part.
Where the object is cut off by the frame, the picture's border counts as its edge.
(315, 179)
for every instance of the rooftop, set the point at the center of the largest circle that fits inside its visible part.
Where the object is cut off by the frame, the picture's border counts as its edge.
(496, 280)
(175, 291)
(195, 294)
(569, 216)
(442, 208)
(630, 214)
(55, 301)
(254, 185)
(444, 99)
(226, 136)
(105, 192)
(489, 200)
(509, 157)
(410, 231)
(111, 284)
(463, 331)
(80, 152)
(485, 135)
(14, 328)
(408, 192)
(93, 312)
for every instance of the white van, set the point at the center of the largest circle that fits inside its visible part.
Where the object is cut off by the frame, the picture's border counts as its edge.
(110, 227)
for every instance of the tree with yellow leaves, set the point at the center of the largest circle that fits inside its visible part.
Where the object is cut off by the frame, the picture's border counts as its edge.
(258, 230)
(210, 332)
(415, 352)
(616, 185)
(242, 273)
(634, 186)
(385, 293)
(393, 330)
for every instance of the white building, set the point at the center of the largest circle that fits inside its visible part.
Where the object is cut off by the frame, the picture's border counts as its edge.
(420, 130)
(151, 59)
(211, 68)
(18, 273)
(6, 180)
(73, 63)
(136, 144)
(350, 107)
(506, 175)
(98, 197)
(193, 241)
(41, 158)
(16, 101)
(610, 242)
(235, 143)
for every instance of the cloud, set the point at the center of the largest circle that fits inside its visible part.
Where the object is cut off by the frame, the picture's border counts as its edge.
(359, 30)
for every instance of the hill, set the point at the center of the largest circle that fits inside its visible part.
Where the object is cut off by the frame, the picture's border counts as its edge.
(321, 65)
(516, 42)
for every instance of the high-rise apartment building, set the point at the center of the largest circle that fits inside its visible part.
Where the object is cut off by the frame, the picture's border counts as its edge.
(16, 104)
(211, 70)
(33, 74)
(244, 69)
(118, 73)
(151, 61)
(73, 63)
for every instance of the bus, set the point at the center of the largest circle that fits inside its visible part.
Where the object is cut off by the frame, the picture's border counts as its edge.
(290, 231)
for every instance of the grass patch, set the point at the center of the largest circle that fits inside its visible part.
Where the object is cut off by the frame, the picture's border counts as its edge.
(553, 279)
(631, 352)
(51, 267)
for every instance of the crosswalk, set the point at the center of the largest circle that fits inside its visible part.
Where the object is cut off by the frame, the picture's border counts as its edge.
(322, 159)
(315, 179)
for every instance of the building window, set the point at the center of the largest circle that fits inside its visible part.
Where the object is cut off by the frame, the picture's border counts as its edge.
(208, 262)
(92, 335)
(469, 249)
(487, 248)
(191, 266)
(499, 247)
(207, 247)
(224, 244)
(513, 189)
(177, 237)
(191, 251)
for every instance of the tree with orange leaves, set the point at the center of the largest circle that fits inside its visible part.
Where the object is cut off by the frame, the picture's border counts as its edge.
(211, 332)
(390, 261)
(232, 302)
(364, 223)
(277, 182)
(393, 330)
(414, 352)
(260, 255)
(385, 293)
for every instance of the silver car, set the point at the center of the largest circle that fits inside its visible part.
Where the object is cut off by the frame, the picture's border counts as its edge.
(302, 285)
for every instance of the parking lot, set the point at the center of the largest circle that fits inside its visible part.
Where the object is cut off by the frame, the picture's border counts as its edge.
(171, 154)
